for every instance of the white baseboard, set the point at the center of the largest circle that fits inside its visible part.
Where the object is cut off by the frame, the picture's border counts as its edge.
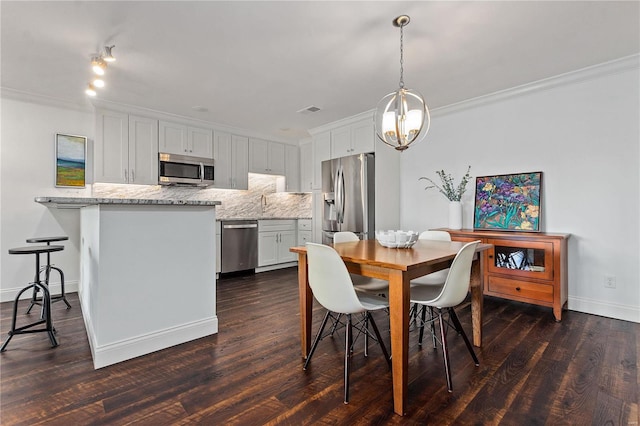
(9, 294)
(276, 266)
(605, 309)
(104, 355)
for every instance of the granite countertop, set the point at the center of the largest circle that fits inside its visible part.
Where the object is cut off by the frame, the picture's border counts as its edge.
(75, 202)
(221, 219)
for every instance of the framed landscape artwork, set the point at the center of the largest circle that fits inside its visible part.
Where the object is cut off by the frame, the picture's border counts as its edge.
(71, 154)
(508, 202)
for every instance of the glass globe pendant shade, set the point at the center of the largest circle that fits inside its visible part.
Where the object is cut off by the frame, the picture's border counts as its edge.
(401, 118)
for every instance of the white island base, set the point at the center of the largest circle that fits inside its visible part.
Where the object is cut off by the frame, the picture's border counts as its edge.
(147, 277)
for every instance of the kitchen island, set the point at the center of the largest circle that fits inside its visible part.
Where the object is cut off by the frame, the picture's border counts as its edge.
(147, 275)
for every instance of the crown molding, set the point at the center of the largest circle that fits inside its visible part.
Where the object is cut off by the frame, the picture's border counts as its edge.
(343, 122)
(578, 76)
(19, 95)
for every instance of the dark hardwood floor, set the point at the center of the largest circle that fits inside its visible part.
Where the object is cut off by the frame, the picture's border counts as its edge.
(533, 371)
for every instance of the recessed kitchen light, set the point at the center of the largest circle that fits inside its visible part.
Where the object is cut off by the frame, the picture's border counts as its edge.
(200, 108)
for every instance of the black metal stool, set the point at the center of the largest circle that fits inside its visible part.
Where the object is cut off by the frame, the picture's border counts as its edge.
(47, 271)
(46, 299)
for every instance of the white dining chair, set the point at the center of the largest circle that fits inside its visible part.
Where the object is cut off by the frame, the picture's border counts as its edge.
(435, 278)
(373, 285)
(332, 287)
(448, 295)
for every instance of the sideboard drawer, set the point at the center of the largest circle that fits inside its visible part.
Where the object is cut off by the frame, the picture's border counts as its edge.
(521, 289)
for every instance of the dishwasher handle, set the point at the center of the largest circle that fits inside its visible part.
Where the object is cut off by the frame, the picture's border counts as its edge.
(243, 226)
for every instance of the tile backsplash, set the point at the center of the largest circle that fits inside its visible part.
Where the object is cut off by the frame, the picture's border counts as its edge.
(260, 201)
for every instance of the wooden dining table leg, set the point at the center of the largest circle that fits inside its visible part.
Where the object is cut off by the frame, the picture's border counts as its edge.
(399, 319)
(477, 300)
(306, 305)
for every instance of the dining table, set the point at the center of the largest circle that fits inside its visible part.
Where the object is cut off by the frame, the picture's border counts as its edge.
(398, 266)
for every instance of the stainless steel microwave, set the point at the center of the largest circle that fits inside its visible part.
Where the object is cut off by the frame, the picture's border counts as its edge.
(182, 169)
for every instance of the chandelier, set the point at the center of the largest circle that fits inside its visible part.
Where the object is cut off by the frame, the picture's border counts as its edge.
(401, 116)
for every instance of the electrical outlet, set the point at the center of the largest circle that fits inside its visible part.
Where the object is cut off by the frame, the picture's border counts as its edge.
(610, 281)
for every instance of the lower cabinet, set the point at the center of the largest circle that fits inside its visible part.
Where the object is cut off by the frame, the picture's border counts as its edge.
(275, 237)
(304, 231)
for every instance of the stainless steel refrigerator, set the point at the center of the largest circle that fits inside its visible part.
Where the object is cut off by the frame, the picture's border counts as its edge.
(348, 191)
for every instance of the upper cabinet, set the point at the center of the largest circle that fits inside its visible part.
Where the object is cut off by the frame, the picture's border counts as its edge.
(126, 148)
(292, 169)
(353, 139)
(177, 138)
(321, 152)
(266, 157)
(306, 166)
(240, 162)
(230, 161)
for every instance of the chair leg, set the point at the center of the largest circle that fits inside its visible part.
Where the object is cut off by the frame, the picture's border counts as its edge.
(335, 324)
(347, 358)
(63, 295)
(433, 327)
(46, 314)
(445, 351)
(366, 335)
(316, 340)
(379, 337)
(460, 330)
(423, 317)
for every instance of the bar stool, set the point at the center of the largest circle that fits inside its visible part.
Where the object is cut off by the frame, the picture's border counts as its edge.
(46, 299)
(47, 270)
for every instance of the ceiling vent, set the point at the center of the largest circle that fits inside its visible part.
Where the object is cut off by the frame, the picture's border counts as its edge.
(309, 110)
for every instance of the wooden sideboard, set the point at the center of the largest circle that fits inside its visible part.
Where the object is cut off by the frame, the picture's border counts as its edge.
(528, 267)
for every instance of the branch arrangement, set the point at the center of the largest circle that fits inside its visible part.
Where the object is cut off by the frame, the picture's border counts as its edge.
(448, 188)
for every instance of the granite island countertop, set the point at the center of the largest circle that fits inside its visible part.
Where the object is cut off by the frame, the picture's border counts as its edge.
(77, 202)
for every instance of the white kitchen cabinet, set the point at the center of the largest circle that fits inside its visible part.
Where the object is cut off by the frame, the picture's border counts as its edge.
(292, 169)
(266, 157)
(230, 161)
(239, 162)
(317, 206)
(353, 139)
(304, 231)
(306, 166)
(275, 237)
(175, 138)
(222, 158)
(126, 148)
(321, 152)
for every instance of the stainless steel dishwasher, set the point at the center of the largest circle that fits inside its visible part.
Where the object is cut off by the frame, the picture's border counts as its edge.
(239, 245)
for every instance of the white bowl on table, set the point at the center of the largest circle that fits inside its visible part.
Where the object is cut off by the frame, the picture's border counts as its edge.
(396, 239)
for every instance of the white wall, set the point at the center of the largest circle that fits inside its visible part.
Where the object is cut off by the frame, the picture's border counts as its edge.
(582, 132)
(27, 171)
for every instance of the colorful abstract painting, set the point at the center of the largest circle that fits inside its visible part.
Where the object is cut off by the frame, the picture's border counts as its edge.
(71, 153)
(508, 202)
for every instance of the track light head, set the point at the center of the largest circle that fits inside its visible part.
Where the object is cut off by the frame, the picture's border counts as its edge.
(98, 65)
(108, 55)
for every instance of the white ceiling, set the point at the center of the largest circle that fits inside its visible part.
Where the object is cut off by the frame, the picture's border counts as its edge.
(254, 64)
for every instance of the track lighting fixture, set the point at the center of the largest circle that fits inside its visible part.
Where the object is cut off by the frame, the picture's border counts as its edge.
(91, 91)
(108, 55)
(98, 82)
(98, 65)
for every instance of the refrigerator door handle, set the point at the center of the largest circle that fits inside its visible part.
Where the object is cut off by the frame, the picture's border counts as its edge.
(338, 200)
(340, 195)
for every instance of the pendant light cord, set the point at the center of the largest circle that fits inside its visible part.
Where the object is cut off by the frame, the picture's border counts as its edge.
(401, 56)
